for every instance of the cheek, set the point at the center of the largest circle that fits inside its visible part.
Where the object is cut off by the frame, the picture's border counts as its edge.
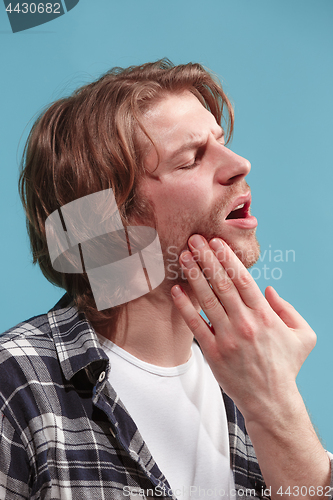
(180, 197)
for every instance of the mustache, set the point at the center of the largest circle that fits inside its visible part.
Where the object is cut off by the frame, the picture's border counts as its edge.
(206, 225)
(221, 206)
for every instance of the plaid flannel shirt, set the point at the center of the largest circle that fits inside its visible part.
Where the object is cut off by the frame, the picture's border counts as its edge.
(65, 434)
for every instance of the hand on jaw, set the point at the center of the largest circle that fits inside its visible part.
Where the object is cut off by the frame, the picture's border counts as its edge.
(255, 348)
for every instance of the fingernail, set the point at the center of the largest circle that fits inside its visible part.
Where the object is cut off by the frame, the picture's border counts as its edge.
(197, 241)
(187, 259)
(176, 291)
(216, 244)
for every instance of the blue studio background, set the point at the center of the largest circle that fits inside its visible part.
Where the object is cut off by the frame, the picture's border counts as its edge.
(274, 58)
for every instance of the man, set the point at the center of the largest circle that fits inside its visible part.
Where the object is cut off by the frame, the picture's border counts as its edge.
(121, 402)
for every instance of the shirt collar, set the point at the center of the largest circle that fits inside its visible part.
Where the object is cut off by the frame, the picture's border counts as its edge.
(75, 340)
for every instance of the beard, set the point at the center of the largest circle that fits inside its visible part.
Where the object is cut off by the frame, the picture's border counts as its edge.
(247, 250)
(178, 228)
(245, 245)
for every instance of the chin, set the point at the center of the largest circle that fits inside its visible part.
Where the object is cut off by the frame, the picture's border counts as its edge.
(247, 251)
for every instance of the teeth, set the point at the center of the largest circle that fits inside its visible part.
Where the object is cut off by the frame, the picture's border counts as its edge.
(239, 206)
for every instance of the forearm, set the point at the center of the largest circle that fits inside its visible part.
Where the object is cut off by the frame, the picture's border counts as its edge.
(255, 347)
(292, 460)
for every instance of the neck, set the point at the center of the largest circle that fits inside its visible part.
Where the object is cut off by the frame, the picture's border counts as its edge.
(152, 329)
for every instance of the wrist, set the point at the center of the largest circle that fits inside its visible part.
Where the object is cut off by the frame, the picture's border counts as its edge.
(278, 412)
(289, 452)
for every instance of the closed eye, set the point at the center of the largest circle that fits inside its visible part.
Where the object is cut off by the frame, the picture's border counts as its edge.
(187, 167)
(198, 158)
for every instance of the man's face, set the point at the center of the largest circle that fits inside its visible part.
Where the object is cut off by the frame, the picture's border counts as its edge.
(194, 182)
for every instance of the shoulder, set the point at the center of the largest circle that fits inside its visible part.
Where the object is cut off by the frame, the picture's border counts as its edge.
(27, 356)
(33, 332)
(23, 350)
(26, 350)
(30, 370)
(22, 338)
(50, 348)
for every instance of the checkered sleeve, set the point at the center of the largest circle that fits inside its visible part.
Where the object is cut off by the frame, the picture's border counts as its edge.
(14, 464)
(24, 383)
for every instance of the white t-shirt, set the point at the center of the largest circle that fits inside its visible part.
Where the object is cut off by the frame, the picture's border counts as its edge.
(180, 414)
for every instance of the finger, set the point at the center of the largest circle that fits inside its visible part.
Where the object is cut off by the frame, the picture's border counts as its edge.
(201, 331)
(221, 283)
(240, 276)
(206, 297)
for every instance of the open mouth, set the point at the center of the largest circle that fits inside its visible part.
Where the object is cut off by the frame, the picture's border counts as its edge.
(239, 216)
(239, 212)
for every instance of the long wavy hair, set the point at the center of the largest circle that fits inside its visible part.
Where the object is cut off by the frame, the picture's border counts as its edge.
(89, 142)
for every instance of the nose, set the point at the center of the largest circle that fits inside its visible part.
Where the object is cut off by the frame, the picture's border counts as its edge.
(231, 167)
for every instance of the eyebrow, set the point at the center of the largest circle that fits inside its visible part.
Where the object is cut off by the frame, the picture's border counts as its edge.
(191, 145)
